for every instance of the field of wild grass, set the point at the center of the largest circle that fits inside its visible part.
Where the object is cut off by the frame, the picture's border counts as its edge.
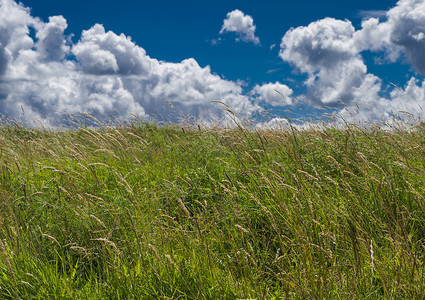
(148, 212)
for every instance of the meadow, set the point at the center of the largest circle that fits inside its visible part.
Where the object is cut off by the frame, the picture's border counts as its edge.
(142, 211)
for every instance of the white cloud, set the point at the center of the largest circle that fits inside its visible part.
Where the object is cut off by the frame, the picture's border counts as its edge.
(242, 25)
(410, 98)
(329, 51)
(103, 74)
(275, 94)
(190, 89)
(51, 43)
(407, 21)
(367, 14)
(374, 36)
(319, 45)
(14, 22)
(402, 33)
(326, 52)
(106, 74)
(101, 52)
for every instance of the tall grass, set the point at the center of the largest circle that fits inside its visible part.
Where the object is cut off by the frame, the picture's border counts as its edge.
(148, 212)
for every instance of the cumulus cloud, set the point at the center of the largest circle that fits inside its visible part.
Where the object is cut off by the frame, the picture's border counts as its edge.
(51, 44)
(101, 52)
(275, 94)
(108, 74)
(407, 23)
(103, 74)
(329, 51)
(319, 45)
(401, 35)
(14, 23)
(325, 50)
(241, 24)
(196, 87)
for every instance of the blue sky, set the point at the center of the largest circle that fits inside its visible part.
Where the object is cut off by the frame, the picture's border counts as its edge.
(176, 30)
(54, 59)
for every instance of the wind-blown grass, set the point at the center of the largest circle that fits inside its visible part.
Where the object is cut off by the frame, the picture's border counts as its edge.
(148, 212)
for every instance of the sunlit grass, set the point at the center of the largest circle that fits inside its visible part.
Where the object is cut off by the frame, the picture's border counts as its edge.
(148, 212)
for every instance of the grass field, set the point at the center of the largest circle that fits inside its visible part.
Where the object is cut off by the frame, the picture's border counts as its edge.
(148, 212)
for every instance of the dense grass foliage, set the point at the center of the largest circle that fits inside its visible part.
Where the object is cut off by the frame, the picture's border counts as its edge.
(148, 212)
